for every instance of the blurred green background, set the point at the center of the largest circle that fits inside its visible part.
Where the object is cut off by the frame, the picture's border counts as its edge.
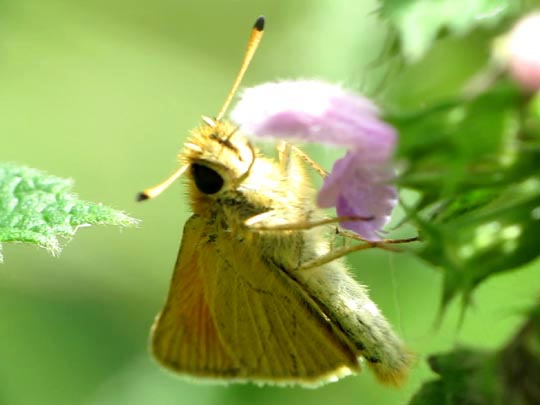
(105, 92)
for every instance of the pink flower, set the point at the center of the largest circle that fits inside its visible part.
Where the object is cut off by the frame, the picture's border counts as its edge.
(315, 111)
(359, 186)
(523, 49)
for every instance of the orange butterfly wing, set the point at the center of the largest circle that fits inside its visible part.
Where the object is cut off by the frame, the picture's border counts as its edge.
(231, 314)
(184, 336)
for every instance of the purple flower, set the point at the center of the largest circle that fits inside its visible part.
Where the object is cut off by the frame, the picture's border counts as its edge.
(315, 111)
(358, 185)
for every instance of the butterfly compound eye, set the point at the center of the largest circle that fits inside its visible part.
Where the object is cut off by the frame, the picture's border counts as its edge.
(208, 181)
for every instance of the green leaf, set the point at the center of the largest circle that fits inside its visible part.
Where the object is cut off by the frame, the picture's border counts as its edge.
(418, 23)
(459, 143)
(506, 376)
(474, 161)
(466, 377)
(38, 208)
(501, 236)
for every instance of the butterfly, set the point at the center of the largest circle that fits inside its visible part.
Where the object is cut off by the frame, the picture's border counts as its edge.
(258, 292)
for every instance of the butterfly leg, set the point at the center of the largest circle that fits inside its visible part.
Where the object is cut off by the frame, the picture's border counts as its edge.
(285, 155)
(386, 244)
(285, 151)
(310, 162)
(268, 221)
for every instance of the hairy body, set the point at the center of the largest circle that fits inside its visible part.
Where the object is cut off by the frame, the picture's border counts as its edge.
(240, 306)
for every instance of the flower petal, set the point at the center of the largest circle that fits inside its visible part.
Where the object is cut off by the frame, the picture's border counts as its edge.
(312, 111)
(360, 186)
(524, 52)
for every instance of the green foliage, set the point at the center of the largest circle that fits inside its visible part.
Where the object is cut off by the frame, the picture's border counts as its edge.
(472, 155)
(38, 208)
(117, 73)
(466, 377)
(473, 160)
(418, 23)
(506, 376)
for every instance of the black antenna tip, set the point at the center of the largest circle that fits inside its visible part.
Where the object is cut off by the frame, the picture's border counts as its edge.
(142, 196)
(259, 24)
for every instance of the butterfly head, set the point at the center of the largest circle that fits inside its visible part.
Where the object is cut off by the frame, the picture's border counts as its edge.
(218, 157)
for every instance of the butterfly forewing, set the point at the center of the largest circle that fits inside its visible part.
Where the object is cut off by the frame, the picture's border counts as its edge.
(184, 336)
(243, 318)
(274, 330)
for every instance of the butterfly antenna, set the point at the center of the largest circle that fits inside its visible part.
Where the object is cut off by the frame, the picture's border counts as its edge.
(153, 192)
(253, 43)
